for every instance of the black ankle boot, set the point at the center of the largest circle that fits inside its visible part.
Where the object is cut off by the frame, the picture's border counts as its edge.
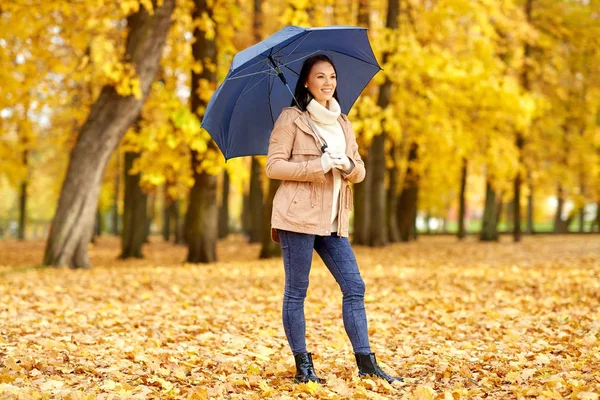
(367, 365)
(305, 370)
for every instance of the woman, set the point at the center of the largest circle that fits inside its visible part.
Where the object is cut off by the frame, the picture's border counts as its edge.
(316, 160)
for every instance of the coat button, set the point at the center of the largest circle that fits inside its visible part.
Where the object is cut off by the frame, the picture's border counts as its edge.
(295, 202)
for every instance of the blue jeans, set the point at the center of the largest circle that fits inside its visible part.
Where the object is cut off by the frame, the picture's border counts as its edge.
(338, 256)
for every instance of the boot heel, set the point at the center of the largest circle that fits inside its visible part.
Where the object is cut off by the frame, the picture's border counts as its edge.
(367, 366)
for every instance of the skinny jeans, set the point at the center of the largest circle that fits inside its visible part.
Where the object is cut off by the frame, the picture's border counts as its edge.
(337, 254)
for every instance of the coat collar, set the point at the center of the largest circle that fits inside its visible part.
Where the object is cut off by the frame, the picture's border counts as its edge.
(301, 123)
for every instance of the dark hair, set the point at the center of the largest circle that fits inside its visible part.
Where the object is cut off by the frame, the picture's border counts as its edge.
(302, 94)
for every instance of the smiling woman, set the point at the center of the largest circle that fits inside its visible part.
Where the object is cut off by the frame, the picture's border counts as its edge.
(311, 210)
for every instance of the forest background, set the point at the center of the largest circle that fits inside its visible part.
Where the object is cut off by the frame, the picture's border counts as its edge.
(485, 119)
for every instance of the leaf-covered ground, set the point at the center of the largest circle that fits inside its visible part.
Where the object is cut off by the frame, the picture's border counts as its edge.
(457, 320)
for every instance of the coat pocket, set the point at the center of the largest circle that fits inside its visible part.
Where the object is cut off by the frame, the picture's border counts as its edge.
(293, 202)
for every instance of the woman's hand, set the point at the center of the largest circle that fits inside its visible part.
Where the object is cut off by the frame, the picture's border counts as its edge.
(341, 161)
(327, 162)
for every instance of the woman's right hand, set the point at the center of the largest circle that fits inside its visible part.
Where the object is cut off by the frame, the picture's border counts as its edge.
(327, 162)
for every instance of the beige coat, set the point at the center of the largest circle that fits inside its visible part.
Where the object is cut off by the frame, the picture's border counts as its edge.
(303, 201)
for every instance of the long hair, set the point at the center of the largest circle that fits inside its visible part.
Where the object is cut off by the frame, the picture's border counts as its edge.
(301, 93)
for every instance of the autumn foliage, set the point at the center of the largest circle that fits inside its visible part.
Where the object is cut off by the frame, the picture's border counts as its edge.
(458, 321)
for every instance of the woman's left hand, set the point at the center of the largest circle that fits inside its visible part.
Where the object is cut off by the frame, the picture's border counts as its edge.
(341, 161)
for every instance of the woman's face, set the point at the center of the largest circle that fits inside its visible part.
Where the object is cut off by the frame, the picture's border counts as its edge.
(321, 82)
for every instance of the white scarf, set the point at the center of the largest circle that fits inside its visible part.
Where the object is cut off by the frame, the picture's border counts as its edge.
(327, 124)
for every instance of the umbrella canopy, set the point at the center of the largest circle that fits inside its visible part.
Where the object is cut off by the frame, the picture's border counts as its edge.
(242, 111)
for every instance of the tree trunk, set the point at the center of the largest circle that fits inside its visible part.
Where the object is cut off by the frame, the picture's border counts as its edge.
(256, 202)
(516, 203)
(100, 225)
(150, 217)
(461, 200)
(110, 117)
(246, 223)
(530, 217)
(392, 201)
(167, 212)
(115, 207)
(179, 224)
(489, 228)
(224, 209)
(269, 248)
(407, 204)
(134, 212)
(362, 209)
(559, 224)
(499, 209)
(378, 226)
(582, 209)
(202, 219)
(596, 223)
(23, 202)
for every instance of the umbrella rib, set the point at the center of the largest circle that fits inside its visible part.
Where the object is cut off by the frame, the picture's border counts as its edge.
(298, 59)
(249, 66)
(269, 88)
(356, 58)
(292, 52)
(333, 51)
(267, 72)
(253, 86)
(300, 36)
(291, 70)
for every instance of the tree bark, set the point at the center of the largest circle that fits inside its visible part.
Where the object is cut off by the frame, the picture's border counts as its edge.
(246, 220)
(582, 209)
(530, 217)
(179, 224)
(224, 208)
(462, 201)
(378, 226)
(134, 212)
(407, 203)
(392, 201)
(167, 212)
(560, 225)
(269, 248)
(115, 207)
(596, 223)
(150, 216)
(23, 202)
(362, 209)
(500, 208)
(517, 191)
(100, 225)
(256, 202)
(109, 118)
(202, 217)
(489, 230)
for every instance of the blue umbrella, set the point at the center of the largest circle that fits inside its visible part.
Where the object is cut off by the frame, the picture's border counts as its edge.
(241, 113)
